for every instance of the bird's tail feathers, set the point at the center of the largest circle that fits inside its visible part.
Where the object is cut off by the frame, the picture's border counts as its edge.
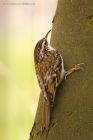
(46, 115)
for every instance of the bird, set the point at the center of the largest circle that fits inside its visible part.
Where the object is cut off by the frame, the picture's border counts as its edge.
(50, 72)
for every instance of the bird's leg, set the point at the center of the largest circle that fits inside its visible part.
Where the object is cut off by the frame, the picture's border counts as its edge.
(75, 68)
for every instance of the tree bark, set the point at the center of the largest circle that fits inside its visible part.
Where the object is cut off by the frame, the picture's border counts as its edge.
(72, 35)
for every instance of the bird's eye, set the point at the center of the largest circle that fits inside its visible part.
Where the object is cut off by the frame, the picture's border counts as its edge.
(46, 42)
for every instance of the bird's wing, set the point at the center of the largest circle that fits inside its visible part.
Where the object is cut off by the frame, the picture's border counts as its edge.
(49, 73)
(53, 75)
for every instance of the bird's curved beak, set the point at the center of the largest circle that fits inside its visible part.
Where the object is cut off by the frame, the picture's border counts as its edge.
(47, 34)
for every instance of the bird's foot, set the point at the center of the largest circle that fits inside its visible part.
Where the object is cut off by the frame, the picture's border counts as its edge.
(75, 68)
(78, 66)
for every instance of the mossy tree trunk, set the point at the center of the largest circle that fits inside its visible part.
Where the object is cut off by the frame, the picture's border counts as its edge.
(72, 35)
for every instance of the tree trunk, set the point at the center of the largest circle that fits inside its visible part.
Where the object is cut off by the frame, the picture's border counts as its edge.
(72, 35)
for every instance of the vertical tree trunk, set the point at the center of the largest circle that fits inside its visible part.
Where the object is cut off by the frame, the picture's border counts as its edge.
(72, 35)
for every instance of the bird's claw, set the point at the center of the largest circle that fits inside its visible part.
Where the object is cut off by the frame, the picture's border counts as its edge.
(78, 66)
(75, 68)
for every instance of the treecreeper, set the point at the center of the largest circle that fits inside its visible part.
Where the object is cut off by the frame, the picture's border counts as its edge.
(50, 72)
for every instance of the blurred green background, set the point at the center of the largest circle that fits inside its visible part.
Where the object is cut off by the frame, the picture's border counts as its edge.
(20, 29)
(19, 91)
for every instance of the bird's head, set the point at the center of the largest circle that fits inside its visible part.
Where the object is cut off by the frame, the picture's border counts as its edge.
(43, 42)
(40, 46)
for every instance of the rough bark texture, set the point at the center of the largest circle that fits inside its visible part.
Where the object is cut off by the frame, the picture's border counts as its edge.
(72, 35)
